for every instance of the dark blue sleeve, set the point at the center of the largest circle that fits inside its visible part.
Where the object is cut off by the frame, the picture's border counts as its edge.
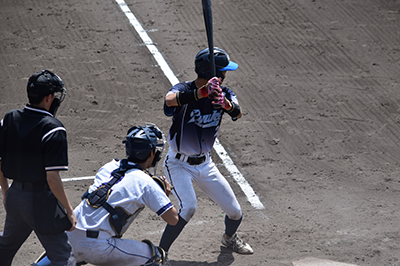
(230, 95)
(170, 111)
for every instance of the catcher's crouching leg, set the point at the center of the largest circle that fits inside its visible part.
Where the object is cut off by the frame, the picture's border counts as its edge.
(157, 253)
(44, 261)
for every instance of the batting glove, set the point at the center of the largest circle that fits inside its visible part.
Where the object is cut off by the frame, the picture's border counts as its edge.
(211, 89)
(220, 102)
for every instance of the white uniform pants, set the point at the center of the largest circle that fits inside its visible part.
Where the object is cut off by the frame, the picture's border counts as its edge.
(207, 177)
(108, 251)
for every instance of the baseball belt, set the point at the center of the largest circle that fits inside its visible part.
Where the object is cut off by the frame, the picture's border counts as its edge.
(192, 160)
(91, 233)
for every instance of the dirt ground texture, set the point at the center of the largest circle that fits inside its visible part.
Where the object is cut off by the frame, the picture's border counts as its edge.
(318, 141)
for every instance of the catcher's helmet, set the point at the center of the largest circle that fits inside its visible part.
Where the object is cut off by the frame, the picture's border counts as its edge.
(222, 63)
(140, 141)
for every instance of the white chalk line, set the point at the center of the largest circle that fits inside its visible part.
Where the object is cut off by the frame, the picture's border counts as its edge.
(242, 182)
(78, 178)
(148, 42)
(227, 161)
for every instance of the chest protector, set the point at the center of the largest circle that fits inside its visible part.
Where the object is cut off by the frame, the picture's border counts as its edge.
(98, 198)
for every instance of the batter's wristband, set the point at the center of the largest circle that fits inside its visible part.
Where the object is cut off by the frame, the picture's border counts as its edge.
(235, 111)
(184, 97)
(203, 91)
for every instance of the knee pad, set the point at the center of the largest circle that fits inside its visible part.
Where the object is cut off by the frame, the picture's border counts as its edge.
(157, 255)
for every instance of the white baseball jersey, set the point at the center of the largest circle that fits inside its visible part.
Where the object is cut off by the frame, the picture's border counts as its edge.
(132, 192)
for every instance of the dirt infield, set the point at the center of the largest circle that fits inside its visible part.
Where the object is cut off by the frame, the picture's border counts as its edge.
(318, 141)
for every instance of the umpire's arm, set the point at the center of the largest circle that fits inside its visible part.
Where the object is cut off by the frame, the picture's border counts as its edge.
(57, 187)
(4, 186)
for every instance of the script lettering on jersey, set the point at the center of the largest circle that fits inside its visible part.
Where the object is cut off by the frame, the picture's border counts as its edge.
(205, 121)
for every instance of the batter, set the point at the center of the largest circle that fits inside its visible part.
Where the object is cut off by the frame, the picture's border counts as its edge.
(197, 108)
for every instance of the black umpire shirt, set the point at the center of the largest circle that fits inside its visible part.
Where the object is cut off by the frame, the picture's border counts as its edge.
(32, 142)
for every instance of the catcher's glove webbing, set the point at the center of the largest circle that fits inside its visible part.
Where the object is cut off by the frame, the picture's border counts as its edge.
(159, 180)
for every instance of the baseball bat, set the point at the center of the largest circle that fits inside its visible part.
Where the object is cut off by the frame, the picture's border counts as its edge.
(207, 12)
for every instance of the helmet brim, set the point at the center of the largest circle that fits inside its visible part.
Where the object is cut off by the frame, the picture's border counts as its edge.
(232, 66)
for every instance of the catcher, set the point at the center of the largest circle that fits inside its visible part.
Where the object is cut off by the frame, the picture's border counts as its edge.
(121, 190)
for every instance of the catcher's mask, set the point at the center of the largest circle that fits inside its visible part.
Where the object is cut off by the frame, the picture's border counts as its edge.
(222, 63)
(140, 141)
(44, 83)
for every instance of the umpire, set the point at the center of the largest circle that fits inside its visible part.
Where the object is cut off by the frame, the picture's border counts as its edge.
(33, 149)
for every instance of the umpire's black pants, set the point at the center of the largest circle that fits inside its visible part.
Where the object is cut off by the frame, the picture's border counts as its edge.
(20, 222)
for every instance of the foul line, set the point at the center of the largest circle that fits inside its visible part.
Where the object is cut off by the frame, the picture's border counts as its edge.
(78, 178)
(227, 161)
(148, 42)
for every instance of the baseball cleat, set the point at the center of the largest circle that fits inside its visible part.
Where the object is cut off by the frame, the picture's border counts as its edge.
(237, 244)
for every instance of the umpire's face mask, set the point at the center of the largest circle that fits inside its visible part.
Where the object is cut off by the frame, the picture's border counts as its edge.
(58, 99)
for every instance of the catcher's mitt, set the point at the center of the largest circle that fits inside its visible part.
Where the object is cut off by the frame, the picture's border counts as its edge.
(160, 181)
